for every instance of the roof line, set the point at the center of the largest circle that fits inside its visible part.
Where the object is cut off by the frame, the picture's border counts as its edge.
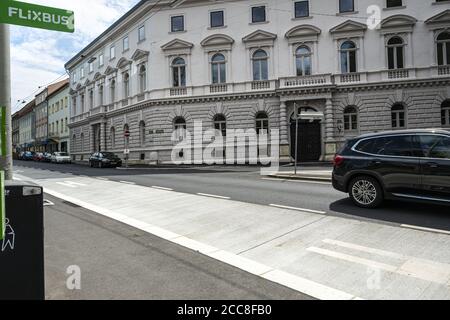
(114, 25)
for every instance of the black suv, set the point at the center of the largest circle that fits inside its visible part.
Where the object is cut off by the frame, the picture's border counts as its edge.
(407, 164)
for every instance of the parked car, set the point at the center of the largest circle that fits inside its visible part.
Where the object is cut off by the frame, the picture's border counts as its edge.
(38, 156)
(28, 155)
(47, 157)
(407, 164)
(104, 159)
(20, 155)
(60, 157)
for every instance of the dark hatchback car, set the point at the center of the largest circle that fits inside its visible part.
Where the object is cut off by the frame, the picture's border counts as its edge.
(105, 159)
(407, 164)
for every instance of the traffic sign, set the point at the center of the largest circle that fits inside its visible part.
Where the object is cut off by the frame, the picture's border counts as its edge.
(126, 133)
(36, 16)
(126, 151)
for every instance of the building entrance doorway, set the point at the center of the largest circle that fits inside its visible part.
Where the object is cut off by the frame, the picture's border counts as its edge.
(308, 140)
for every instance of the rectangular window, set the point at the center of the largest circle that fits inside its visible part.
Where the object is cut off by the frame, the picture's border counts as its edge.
(177, 23)
(141, 33)
(217, 19)
(346, 6)
(259, 14)
(112, 52)
(82, 72)
(301, 9)
(394, 3)
(126, 44)
(91, 67)
(100, 60)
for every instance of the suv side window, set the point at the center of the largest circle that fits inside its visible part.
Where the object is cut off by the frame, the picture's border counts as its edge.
(399, 146)
(434, 146)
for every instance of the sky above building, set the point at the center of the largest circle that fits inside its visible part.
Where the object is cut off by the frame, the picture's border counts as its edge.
(38, 56)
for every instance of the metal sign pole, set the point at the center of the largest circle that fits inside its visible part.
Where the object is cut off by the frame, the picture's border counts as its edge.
(126, 152)
(5, 102)
(296, 136)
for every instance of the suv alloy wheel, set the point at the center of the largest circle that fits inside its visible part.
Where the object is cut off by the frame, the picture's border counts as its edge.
(366, 192)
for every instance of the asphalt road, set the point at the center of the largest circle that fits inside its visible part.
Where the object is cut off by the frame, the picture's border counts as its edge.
(246, 184)
(117, 261)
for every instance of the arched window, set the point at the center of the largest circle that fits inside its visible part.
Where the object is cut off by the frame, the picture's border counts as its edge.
(443, 48)
(100, 95)
(260, 65)
(220, 123)
(262, 123)
(348, 57)
(179, 72)
(113, 91)
(395, 53)
(303, 61)
(142, 133)
(179, 123)
(126, 85)
(398, 116)
(112, 137)
(350, 119)
(218, 69)
(445, 113)
(142, 79)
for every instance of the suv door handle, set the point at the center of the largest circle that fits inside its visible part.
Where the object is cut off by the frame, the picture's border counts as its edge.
(376, 162)
(432, 164)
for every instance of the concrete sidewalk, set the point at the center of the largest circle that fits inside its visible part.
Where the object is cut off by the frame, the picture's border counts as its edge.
(320, 255)
(316, 175)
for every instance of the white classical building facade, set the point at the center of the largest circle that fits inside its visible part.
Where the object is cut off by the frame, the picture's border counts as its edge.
(250, 63)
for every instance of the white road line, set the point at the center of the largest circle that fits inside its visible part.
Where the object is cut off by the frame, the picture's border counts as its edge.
(350, 258)
(379, 252)
(162, 188)
(101, 178)
(66, 184)
(213, 196)
(76, 183)
(128, 182)
(425, 229)
(296, 209)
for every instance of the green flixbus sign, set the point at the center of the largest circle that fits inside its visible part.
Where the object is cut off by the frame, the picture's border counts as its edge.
(36, 16)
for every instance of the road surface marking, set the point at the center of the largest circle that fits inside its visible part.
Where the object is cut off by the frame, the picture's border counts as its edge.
(350, 258)
(296, 209)
(413, 267)
(127, 182)
(213, 196)
(294, 282)
(425, 229)
(366, 249)
(162, 188)
(76, 183)
(101, 178)
(66, 184)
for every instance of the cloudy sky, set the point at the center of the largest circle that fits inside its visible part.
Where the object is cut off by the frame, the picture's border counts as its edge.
(38, 56)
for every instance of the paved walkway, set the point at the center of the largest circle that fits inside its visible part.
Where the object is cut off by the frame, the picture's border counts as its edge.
(323, 256)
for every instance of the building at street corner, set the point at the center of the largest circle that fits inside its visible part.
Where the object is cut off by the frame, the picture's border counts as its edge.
(58, 118)
(27, 127)
(15, 134)
(247, 64)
